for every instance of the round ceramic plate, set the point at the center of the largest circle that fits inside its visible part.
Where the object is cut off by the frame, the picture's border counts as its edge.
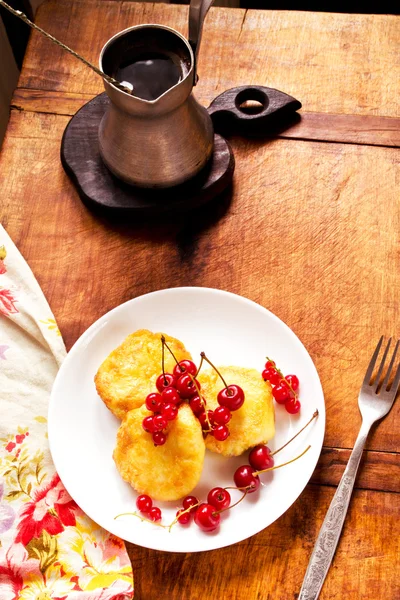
(232, 331)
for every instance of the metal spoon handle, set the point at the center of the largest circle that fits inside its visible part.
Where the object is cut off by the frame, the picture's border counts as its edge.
(24, 18)
(197, 13)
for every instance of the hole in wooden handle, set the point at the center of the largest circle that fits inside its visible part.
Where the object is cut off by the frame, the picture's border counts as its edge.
(251, 101)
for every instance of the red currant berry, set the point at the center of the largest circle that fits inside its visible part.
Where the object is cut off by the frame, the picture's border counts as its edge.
(244, 478)
(293, 381)
(219, 498)
(222, 415)
(220, 432)
(169, 411)
(272, 376)
(281, 392)
(292, 406)
(206, 518)
(260, 458)
(155, 514)
(197, 404)
(183, 517)
(144, 503)
(232, 397)
(159, 438)
(153, 402)
(184, 366)
(190, 502)
(171, 394)
(206, 420)
(164, 380)
(148, 424)
(160, 422)
(186, 386)
(270, 364)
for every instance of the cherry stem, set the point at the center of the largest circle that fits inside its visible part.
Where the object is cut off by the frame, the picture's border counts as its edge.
(245, 492)
(256, 473)
(162, 359)
(183, 512)
(315, 415)
(203, 356)
(134, 514)
(169, 349)
(201, 364)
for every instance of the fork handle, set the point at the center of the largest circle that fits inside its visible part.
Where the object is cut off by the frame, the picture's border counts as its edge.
(329, 534)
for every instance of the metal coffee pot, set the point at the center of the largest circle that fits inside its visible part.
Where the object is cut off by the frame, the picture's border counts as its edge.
(156, 142)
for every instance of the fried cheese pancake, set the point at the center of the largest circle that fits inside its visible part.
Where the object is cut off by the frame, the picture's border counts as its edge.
(254, 422)
(167, 472)
(129, 373)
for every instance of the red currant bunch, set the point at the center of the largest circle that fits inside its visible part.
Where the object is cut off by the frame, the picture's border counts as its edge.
(284, 389)
(145, 505)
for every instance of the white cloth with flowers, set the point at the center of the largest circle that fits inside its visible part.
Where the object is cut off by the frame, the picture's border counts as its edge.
(49, 549)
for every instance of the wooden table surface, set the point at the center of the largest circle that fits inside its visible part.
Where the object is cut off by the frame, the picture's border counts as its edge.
(310, 230)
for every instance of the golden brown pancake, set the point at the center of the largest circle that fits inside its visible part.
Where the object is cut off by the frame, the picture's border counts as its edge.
(129, 373)
(254, 422)
(167, 472)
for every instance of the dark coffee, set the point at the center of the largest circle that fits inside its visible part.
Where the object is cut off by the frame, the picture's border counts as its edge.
(151, 74)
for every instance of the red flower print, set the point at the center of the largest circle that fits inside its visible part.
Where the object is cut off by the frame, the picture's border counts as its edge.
(19, 438)
(51, 509)
(10, 446)
(7, 302)
(2, 267)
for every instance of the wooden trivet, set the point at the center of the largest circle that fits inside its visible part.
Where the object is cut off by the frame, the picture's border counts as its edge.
(100, 189)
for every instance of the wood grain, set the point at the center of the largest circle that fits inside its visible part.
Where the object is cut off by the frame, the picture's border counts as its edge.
(351, 129)
(334, 63)
(310, 231)
(271, 565)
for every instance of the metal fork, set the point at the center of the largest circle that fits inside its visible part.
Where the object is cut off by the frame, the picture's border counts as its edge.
(374, 402)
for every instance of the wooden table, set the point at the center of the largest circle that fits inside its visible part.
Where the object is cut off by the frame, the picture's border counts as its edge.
(310, 230)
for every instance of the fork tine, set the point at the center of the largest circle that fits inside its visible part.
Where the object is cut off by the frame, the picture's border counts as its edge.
(379, 373)
(371, 365)
(395, 385)
(389, 371)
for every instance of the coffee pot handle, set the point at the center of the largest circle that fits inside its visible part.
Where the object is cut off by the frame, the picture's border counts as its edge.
(197, 13)
(253, 110)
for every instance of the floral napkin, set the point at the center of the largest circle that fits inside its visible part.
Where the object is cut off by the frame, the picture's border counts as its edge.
(49, 549)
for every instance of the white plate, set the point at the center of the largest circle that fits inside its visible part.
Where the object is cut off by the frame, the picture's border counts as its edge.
(233, 331)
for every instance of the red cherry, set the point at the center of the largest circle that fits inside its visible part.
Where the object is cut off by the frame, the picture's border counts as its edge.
(169, 411)
(148, 424)
(159, 438)
(153, 402)
(155, 514)
(183, 517)
(293, 381)
(160, 422)
(206, 518)
(219, 498)
(164, 381)
(171, 394)
(186, 386)
(184, 366)
(220, 432)
(270, 364)
(144, 503)
(292, 406)
(272, 376)
(281, 392)
(197, 404)
(244, 478)
(260, 458)
(222, 415)
(232, 397)
(203, 419)
(190, 502)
